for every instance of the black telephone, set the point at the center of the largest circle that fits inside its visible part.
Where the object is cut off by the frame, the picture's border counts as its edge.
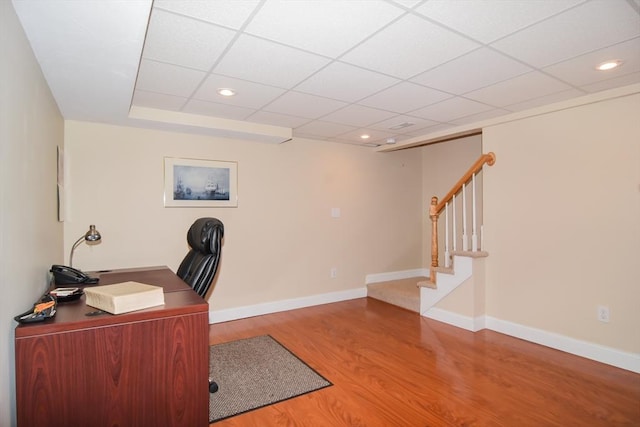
(63, 275)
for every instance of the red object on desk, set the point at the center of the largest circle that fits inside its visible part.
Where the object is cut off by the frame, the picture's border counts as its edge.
(145, 368)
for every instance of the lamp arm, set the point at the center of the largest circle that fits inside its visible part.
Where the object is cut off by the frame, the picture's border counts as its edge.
(73, 248)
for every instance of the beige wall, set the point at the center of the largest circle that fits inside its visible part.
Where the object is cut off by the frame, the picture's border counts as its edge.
(30, 236)
(562, 222)
(280, 242)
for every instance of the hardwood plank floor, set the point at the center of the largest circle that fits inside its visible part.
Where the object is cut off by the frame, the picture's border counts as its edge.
(391, 367)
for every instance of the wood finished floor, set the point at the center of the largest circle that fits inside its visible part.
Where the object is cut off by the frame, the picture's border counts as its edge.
(391, 367)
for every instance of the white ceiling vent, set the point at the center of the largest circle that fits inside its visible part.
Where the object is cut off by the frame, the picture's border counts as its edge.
(402, 126)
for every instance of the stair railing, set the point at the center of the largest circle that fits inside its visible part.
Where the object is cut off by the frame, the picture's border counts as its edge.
(436, 208)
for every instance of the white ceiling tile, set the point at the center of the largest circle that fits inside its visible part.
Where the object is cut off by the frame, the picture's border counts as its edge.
(409, 3)
(205, 108)
(269, 63)
(322, 129)
(184, 41)
(168, 79)
(357, 115)
(488, 67)
(519, 89)
(304, 105)
(489, 20)
(414, 123)
(276, 119)
(345, 82)
(228, 13)
(590, 26)
(404, 97)
(582, 69)
(158, 100)
(627, 79)
(329, 27)
(451, 109)
(409, 46)
(545, 100)
(248, 94)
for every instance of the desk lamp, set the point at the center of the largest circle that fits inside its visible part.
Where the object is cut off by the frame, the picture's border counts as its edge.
(92, 235)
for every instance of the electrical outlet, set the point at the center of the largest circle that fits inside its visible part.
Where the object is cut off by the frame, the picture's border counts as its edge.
(603, 313)
(334, 272)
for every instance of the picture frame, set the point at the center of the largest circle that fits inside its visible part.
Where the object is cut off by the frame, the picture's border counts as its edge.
(200, 183)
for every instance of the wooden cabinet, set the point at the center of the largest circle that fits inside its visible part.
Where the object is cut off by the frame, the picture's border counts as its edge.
(145, 368)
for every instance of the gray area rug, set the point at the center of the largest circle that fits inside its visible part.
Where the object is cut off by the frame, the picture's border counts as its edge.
(256, 372)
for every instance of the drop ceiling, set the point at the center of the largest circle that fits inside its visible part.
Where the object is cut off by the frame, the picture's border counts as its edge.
(329, 70)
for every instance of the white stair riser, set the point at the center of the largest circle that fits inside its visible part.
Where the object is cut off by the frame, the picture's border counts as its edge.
(446, 283)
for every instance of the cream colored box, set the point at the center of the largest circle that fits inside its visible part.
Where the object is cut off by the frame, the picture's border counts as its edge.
(124, 297)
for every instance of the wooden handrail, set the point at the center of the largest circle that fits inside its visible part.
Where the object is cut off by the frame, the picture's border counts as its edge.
(437, 207)
(488, 158)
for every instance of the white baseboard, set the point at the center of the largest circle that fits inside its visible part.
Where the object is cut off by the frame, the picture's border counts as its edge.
(218, 316)
(472, 324)
(599, 353)
(396, 275)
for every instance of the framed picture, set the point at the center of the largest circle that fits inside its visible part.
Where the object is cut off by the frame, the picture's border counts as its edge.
(200, 183)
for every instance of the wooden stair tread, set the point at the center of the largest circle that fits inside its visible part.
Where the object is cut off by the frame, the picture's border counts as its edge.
(471, 254)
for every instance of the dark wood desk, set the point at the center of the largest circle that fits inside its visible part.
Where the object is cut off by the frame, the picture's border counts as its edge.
(145, 368)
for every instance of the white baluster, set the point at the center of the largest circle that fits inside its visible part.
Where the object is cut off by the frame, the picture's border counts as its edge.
(446, 235)
(474, 234)
(455, 237)
(465, 238)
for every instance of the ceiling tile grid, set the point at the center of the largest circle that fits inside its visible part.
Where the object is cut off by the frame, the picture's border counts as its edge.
(490, 20)
(408, 47)
(591, 26)
(324, 27)
(335, 69)
(186, 42)
(231, 14)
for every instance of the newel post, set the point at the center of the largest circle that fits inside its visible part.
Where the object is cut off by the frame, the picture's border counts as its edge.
(433, 214)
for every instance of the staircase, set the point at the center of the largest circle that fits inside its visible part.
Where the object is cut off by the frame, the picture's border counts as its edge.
(421, 294)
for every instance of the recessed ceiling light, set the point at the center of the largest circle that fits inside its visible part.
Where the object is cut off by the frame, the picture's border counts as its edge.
(364, 136)
(609, 65)
(226, 91)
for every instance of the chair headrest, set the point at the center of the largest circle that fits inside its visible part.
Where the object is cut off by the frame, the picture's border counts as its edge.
(203, 235)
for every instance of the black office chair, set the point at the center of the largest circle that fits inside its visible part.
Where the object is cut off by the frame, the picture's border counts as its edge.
(199, 267)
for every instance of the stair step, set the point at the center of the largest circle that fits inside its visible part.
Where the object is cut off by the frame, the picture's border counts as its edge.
(427, 284)
(403, 293)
